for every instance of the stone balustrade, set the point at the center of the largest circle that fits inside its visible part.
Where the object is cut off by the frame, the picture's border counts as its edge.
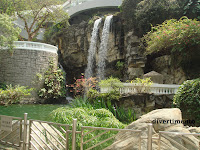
(133, 88)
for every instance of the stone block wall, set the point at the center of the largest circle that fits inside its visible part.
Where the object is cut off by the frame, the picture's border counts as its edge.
(22, 66)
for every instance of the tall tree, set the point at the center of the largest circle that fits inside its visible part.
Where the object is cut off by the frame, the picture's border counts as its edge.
(8, 33)
(35, 13)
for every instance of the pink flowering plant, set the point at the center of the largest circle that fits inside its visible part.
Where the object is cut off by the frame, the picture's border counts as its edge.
(82, 85)
(173, 36)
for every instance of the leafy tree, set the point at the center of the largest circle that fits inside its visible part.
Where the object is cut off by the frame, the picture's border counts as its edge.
(8, 33)
(36, 13)
(6, 7)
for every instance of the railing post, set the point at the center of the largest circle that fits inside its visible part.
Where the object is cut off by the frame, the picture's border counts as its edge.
(159, 141)
(74, 134)
(149, 138)
(67, 138)
(25, 131)
(81, 138)
(21, 135)
(29, 139)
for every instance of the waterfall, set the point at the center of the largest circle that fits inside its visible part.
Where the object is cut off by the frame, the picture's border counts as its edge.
(92, 50)
(103, 47)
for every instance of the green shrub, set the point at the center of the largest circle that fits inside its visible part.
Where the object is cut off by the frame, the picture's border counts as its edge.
(121, 113)
(88, 117)
(187, 99)
(54, 83)
(94, 95)
(2, 86)
(120, 65)
(113, 83)
(108, 101)
(14, 94)
(144, 84)
(173, 36)
(80, 102)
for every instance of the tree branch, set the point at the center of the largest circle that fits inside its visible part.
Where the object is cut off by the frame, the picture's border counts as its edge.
(35, 18)
(39, 26)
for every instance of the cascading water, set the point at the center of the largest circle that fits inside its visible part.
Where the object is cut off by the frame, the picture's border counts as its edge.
(103, 47)
(92, 49)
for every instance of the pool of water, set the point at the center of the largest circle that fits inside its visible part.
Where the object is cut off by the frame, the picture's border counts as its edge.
(35, 111)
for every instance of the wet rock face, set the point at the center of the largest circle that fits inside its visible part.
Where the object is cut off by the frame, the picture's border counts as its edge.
(135, 59)
(123, 46)
(74, 43)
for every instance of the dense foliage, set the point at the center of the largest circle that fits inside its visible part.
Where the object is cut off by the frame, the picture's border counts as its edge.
(94, 95)
(174, 36)
(8, 33)
(125, 115)
(6, 7)
(88, 117)
(2, 86)
(112, 83)
(54, 83)
(140, 14)
(192, 9)
(187, 99)
(14, 94)
(52, 29)
(142, 85)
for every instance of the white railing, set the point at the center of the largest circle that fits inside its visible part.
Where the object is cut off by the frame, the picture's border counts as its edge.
(132, 88)
(35, 46)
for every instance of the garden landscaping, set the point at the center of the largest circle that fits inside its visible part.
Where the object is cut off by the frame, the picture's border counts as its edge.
(83, 77)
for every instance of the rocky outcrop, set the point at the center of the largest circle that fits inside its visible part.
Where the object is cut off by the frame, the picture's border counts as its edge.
(144, 103)
(124, 46)
(155, 77)
(129, 141)
(135, 59)
(172, 73)
(74, 44)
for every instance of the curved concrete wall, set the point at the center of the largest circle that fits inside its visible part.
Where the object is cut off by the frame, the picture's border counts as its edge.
(93, 4)
(21, 67)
